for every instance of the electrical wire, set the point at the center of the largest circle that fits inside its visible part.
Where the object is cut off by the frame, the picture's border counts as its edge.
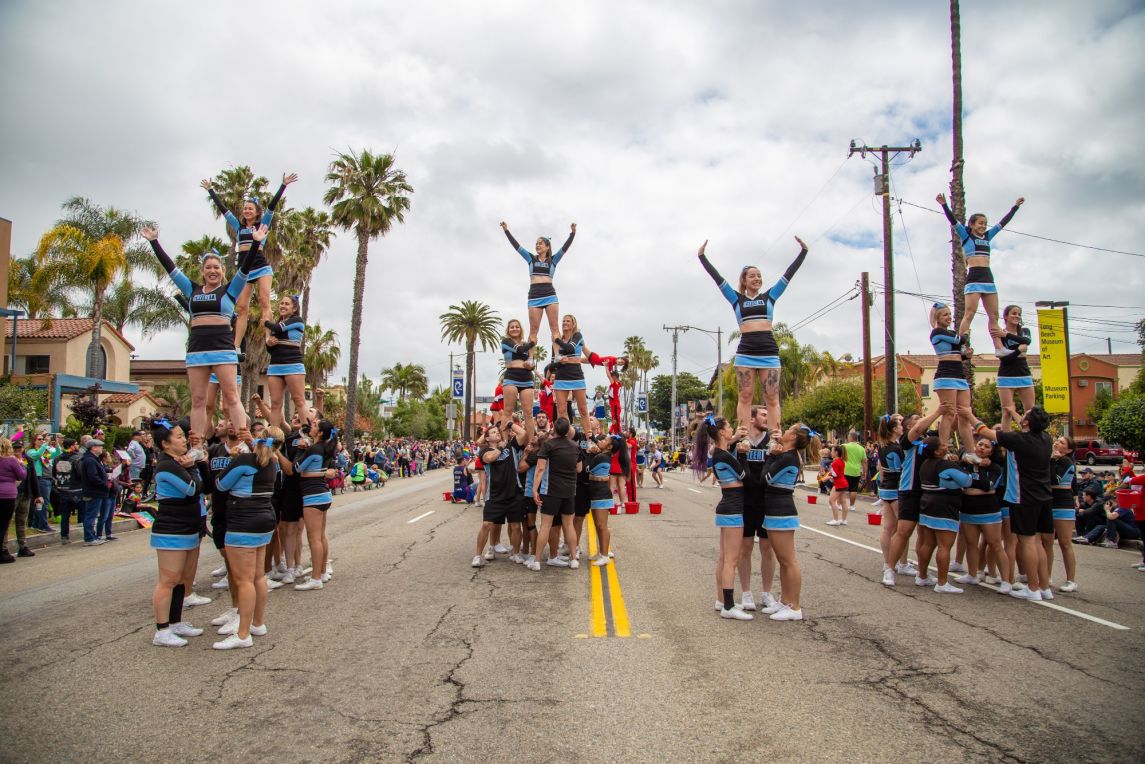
(808, 205)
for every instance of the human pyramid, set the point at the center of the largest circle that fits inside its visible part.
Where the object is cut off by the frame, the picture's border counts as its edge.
(264, 483)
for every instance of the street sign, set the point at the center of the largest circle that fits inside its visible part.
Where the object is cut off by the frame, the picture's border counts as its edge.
(458, 384)
(642, 403)
(451, 410)
(484, 399)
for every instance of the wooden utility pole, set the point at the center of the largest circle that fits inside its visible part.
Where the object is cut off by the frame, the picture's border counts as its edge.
(867, 396)
(883, 189)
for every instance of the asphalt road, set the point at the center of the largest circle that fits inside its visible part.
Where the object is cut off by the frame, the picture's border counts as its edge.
(409, 654)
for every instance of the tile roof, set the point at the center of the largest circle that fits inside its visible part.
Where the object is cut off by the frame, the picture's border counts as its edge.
(57, 329)
(126, 399)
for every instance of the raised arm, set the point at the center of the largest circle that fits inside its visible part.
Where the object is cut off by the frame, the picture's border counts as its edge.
(725, 288)
(1007, 217)
(182, 283)
(286, 181)
(565, 247)
(961, 229)
(513, 243)
(781, 285)
(922, 425)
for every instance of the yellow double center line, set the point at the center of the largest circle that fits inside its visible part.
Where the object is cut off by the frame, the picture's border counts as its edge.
(602, 577)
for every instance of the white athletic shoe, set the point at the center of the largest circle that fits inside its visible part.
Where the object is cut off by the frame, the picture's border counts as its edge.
(490, 554)
(1068, 586)
(228, 614)
(947, 588)
(222, 583)
(842, 522)
(957, 567)
(530, 559)
(574, 564)
(992, 580)
(258, 631)
(968, 580)
(832, 522)
(557, 562)
(167, 638)
(515, 559)
(1047, 594)
(747, 602)
(928, 581)
(1005, 587)
(272, 584)
(772, 607)
(192, 599)
(313, 583)
(888, 577)
(600, 562)
(1026, 593)
(325, 578)
(233, 641)
(501, 549)
(1003, 352)
(275, 574)
(1022, 578)
(288, 576)
(906, 569)
(719, 606)
(533, 565)
(184, 629)
(478, 561)
(766, 601)
(220, 571)
(735, 613)
(231, 626)
(787, 613)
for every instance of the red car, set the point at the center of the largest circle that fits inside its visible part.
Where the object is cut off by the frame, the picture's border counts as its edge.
(1099, 452)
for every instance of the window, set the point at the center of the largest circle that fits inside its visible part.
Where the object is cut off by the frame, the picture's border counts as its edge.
(37, 364)
(925, 390)
(1100, 387)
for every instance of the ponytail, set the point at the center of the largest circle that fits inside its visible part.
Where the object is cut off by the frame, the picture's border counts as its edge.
(706, 432)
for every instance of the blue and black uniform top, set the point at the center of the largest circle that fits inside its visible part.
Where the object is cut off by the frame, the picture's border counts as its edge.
(571, 348)
(727, 469)
(201, 301)
(908, 476)
(289, 335)
(941, 476)
(946, 342)
(513, 351)
(973, 246)
(537, 266)
(313, 459)
(753, 459)
(891, 465)
(985, 478)
(177, 489)
(218, 459)
(244, 238)
(1015, 364)
(763, 304)
(1062, 470)
(243, 478)
(599, 464)
(780, 472)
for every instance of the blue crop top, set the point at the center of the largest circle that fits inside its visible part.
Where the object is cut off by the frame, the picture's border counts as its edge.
(762, 306)
(780, 472)
(946, 342)
(727, 468)
(513, 351)
(537, 266)
(201, 301)
(971, 245)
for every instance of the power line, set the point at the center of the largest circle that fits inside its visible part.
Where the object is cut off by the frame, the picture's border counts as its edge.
(808, 205)
(815, 315)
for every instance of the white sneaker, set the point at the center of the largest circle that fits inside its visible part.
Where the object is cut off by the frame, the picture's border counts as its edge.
(992, 580)
(229, 614)
(478, 561)
(314, 583)
(888, 577)
(231, 626)
(747, 602)
(1005, 587)
(1003, 352)
(288, 576)
(233, 641)
(1068, 586)
(766, 601)
(719, 606)
(1022, 578)
(968, 580)
(220, 571)
(192, 599)
(490, 554)
(928, 581)
(787, 613)
(515, 559)
(557, 562)
(600, 562)
(735, 613)
(957, 567)
(530, 559)
(275, 574)
(947, 588)
(533, 565)
(1026, 593)
(272, 584)
(167, 638)
(222, 583)
(841, 522)
(574, 564)
(1047, 594)
(832, 522)
(325, 578)
(184, 629)
(906, 569)
(501, 549)
(329, 569)
(258, 631)
(774, 607)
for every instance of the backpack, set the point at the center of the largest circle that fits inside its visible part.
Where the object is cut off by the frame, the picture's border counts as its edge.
(66, 475)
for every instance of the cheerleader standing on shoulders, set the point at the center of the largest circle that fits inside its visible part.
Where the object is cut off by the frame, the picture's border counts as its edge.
(1064, 512)
(175, 533)
(518, 382)
(942, 482)
(1013, 369)
(542, 268)
(569, 353)
(285, 371)
(715, 436)
(950, 379)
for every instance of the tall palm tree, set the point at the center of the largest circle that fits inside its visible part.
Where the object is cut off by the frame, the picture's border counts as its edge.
(88, 249)
(471, 322)
(368, 194)
(151, 309)
(305, 236)
(233, 186)
(39, 292)
(957, 191)
(406, 380)
(177, 396)
(320, 355)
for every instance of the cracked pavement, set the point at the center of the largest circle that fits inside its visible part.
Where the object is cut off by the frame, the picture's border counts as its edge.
(411, 655)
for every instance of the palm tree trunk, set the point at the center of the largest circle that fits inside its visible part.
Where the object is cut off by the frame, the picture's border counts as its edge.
(306, 301)
(94, 365)
(468, 428)
(355, 338)
(957, 191)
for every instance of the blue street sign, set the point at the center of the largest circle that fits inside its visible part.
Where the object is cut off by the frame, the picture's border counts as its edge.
(458, 384)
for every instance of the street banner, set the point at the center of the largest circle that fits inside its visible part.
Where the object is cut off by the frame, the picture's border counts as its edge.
(458, 384)
(1055, 360)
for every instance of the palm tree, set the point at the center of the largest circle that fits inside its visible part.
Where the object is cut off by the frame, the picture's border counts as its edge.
(39, 292)
(177, 396)
(233, 186)
(405, 380)
(368, 194)
(150, 308)
(471, 322)
(957, 191)
(305, 236)
(641, 360)
(88, 249)
(320, 356)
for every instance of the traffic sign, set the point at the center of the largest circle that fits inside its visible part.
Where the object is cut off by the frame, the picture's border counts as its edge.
(458, 384)
(642, 403)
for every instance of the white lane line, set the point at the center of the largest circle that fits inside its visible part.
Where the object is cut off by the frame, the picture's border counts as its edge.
(420, 517)
(695, 490)
(1050, 605)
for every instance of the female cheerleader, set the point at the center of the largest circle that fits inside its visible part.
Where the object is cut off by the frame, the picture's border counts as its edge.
(285, 371)
(909, 494)
(211, 346)
(316, 451)
(1013, 369)
(715, 436)
(981, 517)
(980, 285)
(261, 273)
(950, 379)
(569, 352)
(602, 452)
(889, 434)
(542, 268)
(175, 533)
(837, 501)
(1064, 511)
(942, 481)
(249, 479)
(518, 382)
(757, 354)
(781, 470)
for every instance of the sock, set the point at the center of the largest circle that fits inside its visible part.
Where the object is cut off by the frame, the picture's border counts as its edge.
(729, 599)
(162, 626)
(176, 613)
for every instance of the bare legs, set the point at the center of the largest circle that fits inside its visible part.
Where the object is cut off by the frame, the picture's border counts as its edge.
(887, 531)
(512, 393)
(1063, 532)
(295, 384)
(244, 566)
(551, 312)
(769, 381)
(315, 520)
(1009, 411)
(731, 539)
(790, 577)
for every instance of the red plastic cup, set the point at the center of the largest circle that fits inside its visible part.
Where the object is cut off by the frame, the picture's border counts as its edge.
(614, 510)
(654, 508)
(631, 507)
(812, 498)
(448, 496)
(874, 518)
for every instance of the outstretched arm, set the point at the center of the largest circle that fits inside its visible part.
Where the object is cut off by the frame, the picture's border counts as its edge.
(513, 243)
(1008, 216)
(286, 181)
(565, 247)
(182, 283)
(725, 288)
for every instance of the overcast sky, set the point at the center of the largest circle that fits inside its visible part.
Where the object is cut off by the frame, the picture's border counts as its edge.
(652, 125)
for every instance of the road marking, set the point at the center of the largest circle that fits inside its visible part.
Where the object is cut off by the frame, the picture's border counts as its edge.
(598, 625)
(619, 611)
(420, 517)
(1050, 605)
(695, 490)
(598, 576)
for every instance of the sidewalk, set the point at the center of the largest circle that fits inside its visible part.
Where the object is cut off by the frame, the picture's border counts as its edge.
(38, 540)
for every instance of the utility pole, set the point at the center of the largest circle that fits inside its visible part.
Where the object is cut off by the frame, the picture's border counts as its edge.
(867, 402)
(883, 189)
(1109, 346)
(675, 339)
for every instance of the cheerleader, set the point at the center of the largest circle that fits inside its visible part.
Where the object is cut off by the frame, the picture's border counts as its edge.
(942, 481)
(1013, 369)
(981, 515)
(781, 470)
(602, 452)
(752, 452)
(175, 534)
(286, 371)
(542, 268)
(890, 472)
(316, 449)
(950, 379)
(518, 381)
(910, 494)
(569, 353)
(1064, 511)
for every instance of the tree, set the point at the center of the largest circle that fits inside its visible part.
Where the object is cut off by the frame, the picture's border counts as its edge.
(305, 237)
(471, 322)
(689, 387)
(987, 405)
(1095, 411)
(1124, 422)
(320, 355)
(88, 249)
(369, 195)
(151, 309)
(957, 190)
(177, 396)
(89, 413)
(40, 292)
(403, 380)
(837, 405)
(23, 403)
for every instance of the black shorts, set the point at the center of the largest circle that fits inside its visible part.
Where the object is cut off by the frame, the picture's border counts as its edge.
(498, 512)
(910, 502)
(290, 501)
(753, 503)
(853, 482)
(559, 505)
(172, 518)
(219, 519)
(542, 290)
(1031, 517)
(582, 500)
(522, 379)
(979, 274)
(757, 344)
(779, 512)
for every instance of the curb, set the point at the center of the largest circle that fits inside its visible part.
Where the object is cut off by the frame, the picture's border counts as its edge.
(41, 540)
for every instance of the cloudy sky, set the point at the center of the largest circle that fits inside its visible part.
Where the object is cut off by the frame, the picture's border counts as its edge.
(652, 125)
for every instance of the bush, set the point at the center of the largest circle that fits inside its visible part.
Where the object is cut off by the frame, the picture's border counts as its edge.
(1124, 422)
(20, 403)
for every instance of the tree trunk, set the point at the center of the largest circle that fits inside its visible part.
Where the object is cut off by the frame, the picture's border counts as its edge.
(355, 339)
(467, 429)
(94, 365)
(306, 302)
(957, 191)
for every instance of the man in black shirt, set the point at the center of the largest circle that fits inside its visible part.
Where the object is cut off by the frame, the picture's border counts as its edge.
(1031, 451)
(504, 501)
(554, 489)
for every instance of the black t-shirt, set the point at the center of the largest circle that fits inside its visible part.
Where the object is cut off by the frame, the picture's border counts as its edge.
(559, 480)
(1032, 452)
(502, 474)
